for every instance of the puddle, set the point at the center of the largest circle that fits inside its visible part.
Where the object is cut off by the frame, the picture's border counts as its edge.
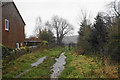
(38, 62)
(22, 73)
(58, 67)
(33, 64)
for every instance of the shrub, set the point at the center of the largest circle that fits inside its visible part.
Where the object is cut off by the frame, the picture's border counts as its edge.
(27, 49)
(9, 54)
(5, 51)
(45, 42)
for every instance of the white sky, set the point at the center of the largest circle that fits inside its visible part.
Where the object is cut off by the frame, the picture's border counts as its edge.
(68, 9)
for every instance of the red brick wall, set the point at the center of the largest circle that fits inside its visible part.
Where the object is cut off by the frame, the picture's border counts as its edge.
(16, 26)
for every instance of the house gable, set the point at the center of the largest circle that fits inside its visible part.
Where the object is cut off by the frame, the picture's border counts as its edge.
(15, 33)
(7, 3)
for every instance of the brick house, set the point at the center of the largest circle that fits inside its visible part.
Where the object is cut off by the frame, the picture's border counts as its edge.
(32, 41)
(12, 25)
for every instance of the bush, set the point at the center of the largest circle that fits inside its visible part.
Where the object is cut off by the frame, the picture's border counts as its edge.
(27, 49)
(5, 51)
(10, 54)
(45, 42)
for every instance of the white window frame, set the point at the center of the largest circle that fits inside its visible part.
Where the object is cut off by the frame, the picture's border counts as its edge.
(21, 44)
(7, 24)
(17, 45)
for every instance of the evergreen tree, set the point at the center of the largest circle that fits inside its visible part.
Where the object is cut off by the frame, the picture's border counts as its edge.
(52, 38)
(84, 36)
(99, 33)
(47, 36)
(113, 42)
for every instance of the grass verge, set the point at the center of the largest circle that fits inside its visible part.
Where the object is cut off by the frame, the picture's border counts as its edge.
(15, 67)
(82, 66)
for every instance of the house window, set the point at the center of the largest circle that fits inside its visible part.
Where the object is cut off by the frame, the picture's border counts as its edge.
(6, 24)
(17, 45)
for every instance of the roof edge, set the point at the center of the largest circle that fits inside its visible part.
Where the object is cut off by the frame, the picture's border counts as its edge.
(18, 12)
(16, 9)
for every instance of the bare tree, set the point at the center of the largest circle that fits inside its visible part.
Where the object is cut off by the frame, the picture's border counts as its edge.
(114, 6)
(62, 27)
(115, 9)
(48, 26)
(38, 26)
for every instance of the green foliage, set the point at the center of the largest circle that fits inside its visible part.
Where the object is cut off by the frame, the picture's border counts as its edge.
(15, 67)
(102, 76)
(84, 25)
(5, 51)
(45, 42)
(113, 42)
(70, 69)
(99, 33)
(101, 38)
(80, 66)
(47, 36)
(1, 45)
(23, 48)
(12, 54)
(84, 36)
(27, 49)
(92, 39)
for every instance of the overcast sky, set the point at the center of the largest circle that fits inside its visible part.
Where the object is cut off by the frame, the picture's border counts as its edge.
(68, 9)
